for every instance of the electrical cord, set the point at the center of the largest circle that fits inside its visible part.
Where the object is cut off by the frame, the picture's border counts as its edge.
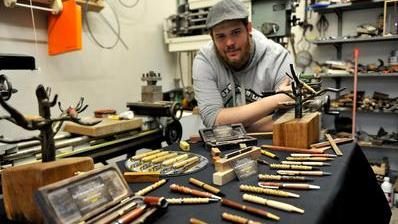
(127, 5)
(34, 26)
(92, 34)
(180, 68)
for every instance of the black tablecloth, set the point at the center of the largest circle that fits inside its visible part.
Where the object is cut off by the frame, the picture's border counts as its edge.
(350, 195)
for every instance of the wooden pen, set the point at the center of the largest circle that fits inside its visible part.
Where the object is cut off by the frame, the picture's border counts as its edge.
(131, 215)
(249, 209)
(255, 189)
(187, 190)
(268, 154)
(312, 155)
(151, 187)
(305, 173)
(306, 163)
(309, 158)
(205, 186)
(296, 186)
(237, 219)
(283, 178)
(184, 201)
(285, 166)
(142, 155)
(196, 221)
(272, 203)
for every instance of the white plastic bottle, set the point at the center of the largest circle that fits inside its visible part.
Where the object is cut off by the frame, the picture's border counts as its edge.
(386, 186)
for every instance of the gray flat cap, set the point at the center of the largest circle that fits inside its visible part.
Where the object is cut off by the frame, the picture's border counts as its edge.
(226, 10)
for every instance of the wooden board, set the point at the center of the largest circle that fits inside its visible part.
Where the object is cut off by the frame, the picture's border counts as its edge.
(106, 127)
(298, 133)
(21, 182)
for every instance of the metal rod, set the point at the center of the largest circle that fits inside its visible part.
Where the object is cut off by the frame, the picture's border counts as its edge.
(34, 7)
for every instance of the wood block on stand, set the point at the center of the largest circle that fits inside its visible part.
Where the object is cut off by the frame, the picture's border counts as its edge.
(21, 182)
(298, 133)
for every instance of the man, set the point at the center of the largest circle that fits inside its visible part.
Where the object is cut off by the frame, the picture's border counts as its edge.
(231, 72)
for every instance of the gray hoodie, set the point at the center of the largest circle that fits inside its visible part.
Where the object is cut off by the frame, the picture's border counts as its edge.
(217, 85)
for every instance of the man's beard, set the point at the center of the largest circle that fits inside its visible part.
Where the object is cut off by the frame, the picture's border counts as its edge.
(237, 65)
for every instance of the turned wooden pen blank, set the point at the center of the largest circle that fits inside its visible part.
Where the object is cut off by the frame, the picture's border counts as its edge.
(249, 209)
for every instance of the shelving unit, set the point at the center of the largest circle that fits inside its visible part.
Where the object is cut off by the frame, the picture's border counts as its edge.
(339, 9)
(340, 41)
(360, 75)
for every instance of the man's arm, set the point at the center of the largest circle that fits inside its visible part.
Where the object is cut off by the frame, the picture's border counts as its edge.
(250, 113)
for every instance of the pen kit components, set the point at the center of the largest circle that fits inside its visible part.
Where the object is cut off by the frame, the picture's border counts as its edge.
(167, 163)
(272, 203)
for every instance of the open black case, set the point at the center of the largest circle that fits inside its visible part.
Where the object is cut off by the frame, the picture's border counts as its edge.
(226, 137)
(87, 197)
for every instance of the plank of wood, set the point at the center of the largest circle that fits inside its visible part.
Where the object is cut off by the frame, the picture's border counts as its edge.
(299, 133)
(293, 149)
(334, 145)
(19, 184)
(224, 164)
(141, 177)
(106, 127)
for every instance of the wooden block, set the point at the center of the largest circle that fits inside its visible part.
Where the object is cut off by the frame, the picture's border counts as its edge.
(224, 164)
(19, 184)
(298, 133)
(106, 127)
(93, 5)
(141, 177)
(221, 178)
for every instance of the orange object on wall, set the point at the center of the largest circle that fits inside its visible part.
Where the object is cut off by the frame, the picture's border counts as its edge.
(65, 29)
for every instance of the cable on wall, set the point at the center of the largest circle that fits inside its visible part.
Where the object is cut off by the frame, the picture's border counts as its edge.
(34, 28)
(129, 5)
(116, 32)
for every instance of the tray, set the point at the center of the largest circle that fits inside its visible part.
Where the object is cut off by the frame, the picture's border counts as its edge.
(162, 161)
(226, 137)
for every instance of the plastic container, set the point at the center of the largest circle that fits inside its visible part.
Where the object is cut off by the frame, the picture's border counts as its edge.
(386, 186)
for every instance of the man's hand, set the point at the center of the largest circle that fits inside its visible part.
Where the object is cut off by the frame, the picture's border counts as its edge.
(285, 86)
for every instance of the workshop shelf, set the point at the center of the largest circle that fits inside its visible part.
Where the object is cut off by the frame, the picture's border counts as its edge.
(360, 75)
(355, 40)
(350, 6)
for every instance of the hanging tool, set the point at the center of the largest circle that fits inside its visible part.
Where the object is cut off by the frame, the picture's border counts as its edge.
(322, 26)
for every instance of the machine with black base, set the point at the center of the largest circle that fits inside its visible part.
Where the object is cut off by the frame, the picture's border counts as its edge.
(164, 115)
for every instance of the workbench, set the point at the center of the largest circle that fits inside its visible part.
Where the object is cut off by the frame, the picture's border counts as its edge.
(350, 195)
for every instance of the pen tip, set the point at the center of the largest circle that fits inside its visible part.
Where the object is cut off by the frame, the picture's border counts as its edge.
(327, 173)
(220, 194)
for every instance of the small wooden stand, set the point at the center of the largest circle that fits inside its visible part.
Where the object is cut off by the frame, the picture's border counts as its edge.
(296, 132)
(21, 182)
